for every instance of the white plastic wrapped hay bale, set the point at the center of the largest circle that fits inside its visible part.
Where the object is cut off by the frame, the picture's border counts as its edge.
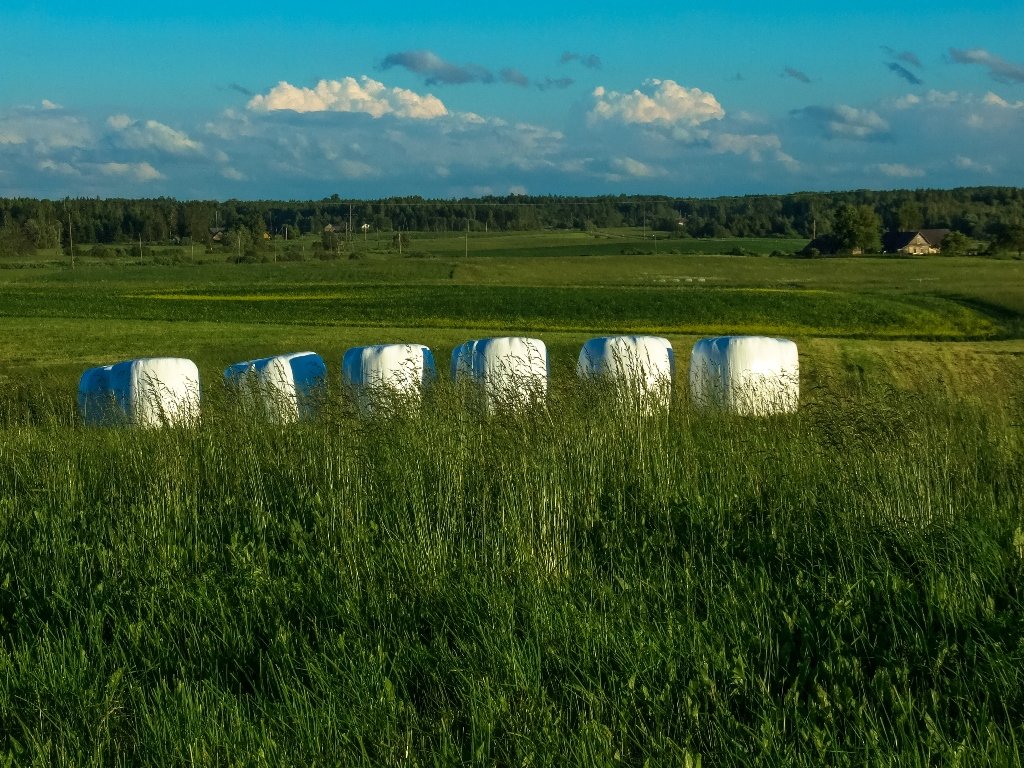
(96, 403)
(462, 361)
(286, 387)
(641, 368)
(147, 392)
(388, 374)
(747, 375)
(511, 370)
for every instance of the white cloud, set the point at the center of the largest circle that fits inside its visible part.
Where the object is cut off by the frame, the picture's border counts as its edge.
(136, 171)
(994, 100)
(365, 96)
(857, 123)
(47, 104)
(119, 122)
(943, 97)
(636, 169)
(754, 146)
(232, 173)
(846, 122)
(899, 171)
(355, 169)
(152, 135)
(665, 102)
(751, 145)
(64, 169)
(906, 102)
(967, 164)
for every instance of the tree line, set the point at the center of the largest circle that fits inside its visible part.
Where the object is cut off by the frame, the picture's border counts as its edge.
(985, 213)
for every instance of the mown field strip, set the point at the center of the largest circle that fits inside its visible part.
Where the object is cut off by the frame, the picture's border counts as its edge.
(621, 309)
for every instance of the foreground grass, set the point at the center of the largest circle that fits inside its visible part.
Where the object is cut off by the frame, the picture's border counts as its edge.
(565, 587)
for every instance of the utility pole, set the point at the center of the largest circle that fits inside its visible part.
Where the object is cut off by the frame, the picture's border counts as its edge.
(71, 237)
(467, 238)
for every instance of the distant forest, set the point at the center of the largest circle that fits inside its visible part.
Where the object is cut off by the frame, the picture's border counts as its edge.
(981, 213)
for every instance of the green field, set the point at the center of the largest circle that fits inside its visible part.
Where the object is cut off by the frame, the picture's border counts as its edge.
(572, 586)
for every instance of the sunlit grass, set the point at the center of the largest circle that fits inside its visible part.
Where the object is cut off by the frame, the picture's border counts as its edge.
(568, 585)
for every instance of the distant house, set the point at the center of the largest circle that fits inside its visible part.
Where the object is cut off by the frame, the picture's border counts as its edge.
(217, 234)
(329, 229)
(917, 242)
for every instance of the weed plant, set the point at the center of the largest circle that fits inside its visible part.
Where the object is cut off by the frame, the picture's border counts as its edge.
(579, 584)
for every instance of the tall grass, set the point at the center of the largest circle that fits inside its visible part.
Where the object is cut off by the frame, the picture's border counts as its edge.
(569, 585)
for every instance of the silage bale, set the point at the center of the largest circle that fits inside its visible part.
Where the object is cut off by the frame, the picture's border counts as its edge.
(512, 371)
(462, 360)
(388, 375)
(641, 368)
(747, 375)
(95, 400)
(146, 392)
(286, 388)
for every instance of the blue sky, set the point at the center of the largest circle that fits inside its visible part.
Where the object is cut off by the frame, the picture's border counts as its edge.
(257, 100)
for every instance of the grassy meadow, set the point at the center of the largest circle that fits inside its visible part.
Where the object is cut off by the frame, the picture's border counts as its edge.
(571, 586)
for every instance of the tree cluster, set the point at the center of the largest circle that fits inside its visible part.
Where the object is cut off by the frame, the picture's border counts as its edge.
(855, 219)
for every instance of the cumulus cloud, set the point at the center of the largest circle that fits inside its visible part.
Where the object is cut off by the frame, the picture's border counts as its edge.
(435, 69)
(62, 168)
(135, 171)
(45, 129)
(356, 169)
(751, 145)
(47, 104)
(589, 60)
(968, 164)
(907, 102)
(943, 98)
(900, 71)
(627, 166)
(899, 171)
(662, 102)
(999, 69)
(795, 74)
(366, 96)
(290, 152)
(845, 122)
(994, 100)
(152, 135)
(754, 146)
